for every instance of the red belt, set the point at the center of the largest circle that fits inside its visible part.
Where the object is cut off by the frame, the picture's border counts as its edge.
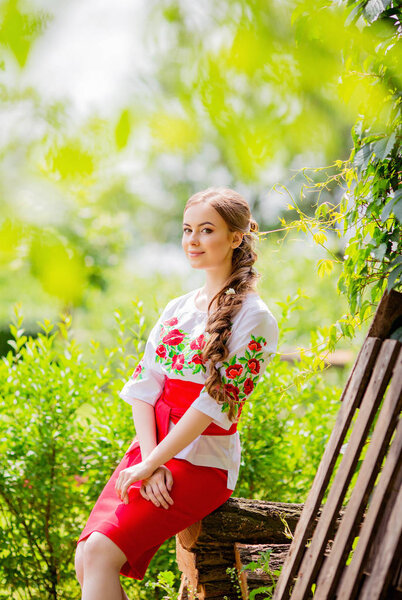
(176, 397)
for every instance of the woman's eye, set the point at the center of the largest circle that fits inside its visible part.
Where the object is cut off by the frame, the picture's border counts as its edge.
(204, 229)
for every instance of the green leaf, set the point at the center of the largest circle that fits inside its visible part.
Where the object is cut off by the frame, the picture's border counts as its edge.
(393, 276)
(393, 205)
(384, 147)
(363, 156)
(123, 129)
(374, 8)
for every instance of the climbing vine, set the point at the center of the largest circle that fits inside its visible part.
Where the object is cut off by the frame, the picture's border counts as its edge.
(370, 209)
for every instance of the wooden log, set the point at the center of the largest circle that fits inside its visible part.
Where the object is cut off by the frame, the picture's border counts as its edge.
(206, 549)
(251, 580)
(242, 520)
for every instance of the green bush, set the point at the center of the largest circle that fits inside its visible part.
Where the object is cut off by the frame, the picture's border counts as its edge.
(63, 432)
(65, 429)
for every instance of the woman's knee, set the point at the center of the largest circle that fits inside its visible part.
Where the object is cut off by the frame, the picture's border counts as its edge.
(79, 561)
(101, 550)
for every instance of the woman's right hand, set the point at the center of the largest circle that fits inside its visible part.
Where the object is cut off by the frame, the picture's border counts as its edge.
(157, 487)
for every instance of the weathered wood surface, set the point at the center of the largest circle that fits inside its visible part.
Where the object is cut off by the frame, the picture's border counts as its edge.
(251, 580)
(385, 426)
(378, 549)
(312, 559)
(350, 398)
(206, 549)
(242, 520)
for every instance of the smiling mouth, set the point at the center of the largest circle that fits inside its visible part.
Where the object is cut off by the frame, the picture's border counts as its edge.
(195, 253)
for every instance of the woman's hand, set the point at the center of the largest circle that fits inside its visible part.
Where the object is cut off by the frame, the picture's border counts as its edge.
(130, 475)
(157, 487)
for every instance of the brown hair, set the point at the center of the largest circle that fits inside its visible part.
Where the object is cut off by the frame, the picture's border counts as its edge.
(235, 210)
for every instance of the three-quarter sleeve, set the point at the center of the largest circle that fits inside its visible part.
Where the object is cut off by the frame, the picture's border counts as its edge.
(147, 382)
(252, 344)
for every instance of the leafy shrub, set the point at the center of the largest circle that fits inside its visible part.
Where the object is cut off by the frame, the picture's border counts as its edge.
(62, 434)
(64, 431)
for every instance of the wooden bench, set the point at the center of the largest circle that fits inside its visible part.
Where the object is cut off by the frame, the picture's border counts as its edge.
(344, 549)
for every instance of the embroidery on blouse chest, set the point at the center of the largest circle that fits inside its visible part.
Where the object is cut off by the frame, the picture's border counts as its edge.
(178, 351)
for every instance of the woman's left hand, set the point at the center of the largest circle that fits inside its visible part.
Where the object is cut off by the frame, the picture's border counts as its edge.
(129, 476)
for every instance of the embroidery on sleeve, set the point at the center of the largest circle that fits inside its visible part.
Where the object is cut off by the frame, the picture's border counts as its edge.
(139, 371)
(241, 373)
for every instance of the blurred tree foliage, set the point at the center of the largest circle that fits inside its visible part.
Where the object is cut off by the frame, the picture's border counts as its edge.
(237, 89)
(371, 206)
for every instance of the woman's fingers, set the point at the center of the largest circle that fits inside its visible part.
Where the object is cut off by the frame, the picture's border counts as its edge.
(165, 489)
(168, 479)
(162, 493)
(152, 496)
(143, 492)
(158, 493)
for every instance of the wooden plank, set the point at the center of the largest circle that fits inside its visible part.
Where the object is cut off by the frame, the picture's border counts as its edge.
(330, 573)
(313, 556)
(388, 311)
(350, 398)
(376, 586)
(391, 479)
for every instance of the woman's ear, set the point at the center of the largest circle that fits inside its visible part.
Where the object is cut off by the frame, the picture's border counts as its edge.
(237, 239)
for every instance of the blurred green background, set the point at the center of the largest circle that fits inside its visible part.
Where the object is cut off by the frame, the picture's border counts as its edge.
(111, 116)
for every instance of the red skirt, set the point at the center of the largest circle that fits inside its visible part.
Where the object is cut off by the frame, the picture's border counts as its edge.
(139, 528)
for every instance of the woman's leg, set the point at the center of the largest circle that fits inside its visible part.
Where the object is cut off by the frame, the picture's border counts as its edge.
(124, 595)
(79, 562)
(79, 567)
(103, 560)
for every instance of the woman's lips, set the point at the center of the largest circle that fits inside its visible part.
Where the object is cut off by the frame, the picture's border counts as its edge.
(195, 253)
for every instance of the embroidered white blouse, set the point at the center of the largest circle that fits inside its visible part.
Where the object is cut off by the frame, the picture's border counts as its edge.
(173, 350)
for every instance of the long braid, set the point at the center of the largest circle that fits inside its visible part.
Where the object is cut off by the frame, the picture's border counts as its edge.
(236, 212)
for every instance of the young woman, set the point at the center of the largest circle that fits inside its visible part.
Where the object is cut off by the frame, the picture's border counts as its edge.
(201, 363)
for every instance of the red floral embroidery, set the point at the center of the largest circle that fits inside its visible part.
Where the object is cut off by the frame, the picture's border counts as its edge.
(161, 351)
(240, 372)
(232, 391)
(137, 371)
(174, 343)
(173, 338)
(254, 365)
(196, 360)
(248, 386)
(253, 345)
(198, 343)
(178, 352)
(234, 371)
(178, 361)
(171, 322)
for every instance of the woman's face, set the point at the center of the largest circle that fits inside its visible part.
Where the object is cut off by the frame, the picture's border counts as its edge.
(207, 240)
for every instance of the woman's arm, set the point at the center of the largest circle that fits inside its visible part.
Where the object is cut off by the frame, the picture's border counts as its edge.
(145, 426)
(190, 426)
